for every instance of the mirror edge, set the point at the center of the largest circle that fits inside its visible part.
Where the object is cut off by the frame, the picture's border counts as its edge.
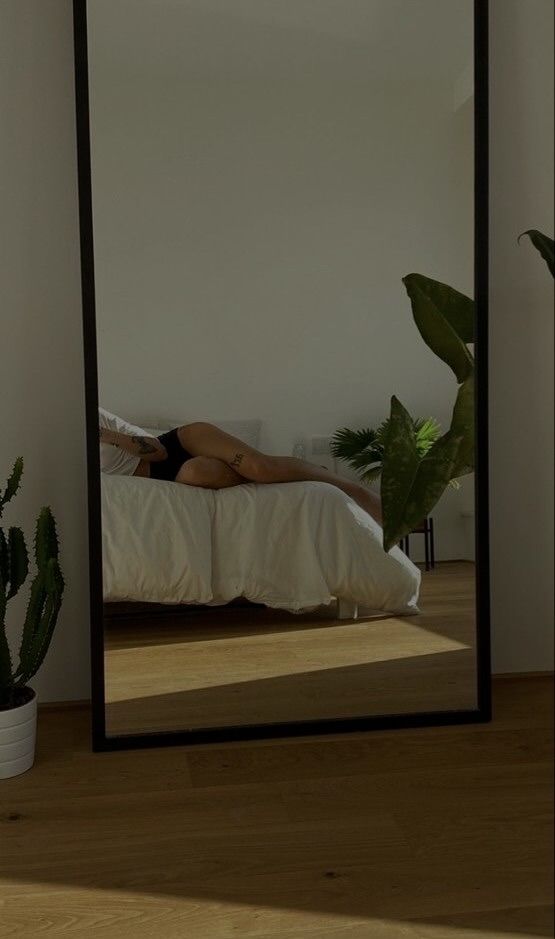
(482, 712)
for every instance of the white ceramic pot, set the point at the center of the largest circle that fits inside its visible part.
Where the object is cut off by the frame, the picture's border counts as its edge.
(18, 732)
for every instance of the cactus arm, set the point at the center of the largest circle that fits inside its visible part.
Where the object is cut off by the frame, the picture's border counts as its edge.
(44, 601)
(45, 597)
(4, 558)
(35, 610)
(6, 677)
(46, 538)
(18, 561)
(33, 652)
(12, 484)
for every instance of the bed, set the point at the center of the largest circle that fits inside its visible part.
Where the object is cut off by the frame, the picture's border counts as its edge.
(293, 546)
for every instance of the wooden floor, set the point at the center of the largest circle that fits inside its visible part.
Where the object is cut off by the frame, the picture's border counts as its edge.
(439, 833)
(218, 667)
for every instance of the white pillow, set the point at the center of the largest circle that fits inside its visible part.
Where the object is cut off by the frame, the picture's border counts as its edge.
(247, 430)
(151, 426)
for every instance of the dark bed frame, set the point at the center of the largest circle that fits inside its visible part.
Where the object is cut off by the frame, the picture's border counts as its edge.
(482, 712)
(117, 610)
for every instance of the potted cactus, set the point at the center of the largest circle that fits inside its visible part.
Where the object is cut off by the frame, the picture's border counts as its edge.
(18, 703)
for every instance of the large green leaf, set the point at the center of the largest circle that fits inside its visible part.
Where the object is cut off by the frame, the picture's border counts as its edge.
(436, 329)
(400, 466)
(458, 309)
(435, 472)
(463, 426)
(544, 244)
(411, 486)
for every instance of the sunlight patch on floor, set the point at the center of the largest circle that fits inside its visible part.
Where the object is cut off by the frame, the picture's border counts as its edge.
(238, 660)
(119, 912)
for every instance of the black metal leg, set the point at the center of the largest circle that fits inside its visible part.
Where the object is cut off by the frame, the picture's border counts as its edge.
(429, 547)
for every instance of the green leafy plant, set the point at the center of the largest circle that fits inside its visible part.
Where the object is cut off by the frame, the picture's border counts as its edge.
(544, 244)
(413, 482)
(363, 449)
(44, 600)
(413, 479)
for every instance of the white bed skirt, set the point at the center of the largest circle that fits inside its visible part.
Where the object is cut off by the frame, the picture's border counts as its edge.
(291, 546)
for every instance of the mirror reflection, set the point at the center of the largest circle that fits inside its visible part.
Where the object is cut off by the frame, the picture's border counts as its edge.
(283, 205)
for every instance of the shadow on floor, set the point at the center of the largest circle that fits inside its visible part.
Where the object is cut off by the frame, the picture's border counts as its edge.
(443, 681)
(396, 828)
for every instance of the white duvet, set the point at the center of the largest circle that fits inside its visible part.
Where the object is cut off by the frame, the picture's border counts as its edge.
(292, 546)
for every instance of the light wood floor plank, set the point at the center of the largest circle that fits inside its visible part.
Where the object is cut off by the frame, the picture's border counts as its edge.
(214, 668)
(439, 833)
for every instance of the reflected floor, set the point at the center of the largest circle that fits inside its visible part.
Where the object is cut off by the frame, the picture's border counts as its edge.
(218, 666)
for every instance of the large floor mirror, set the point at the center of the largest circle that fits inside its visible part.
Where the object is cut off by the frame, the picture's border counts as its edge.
(284, 253)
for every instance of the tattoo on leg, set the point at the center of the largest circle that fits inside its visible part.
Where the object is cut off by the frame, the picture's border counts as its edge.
(237, 459)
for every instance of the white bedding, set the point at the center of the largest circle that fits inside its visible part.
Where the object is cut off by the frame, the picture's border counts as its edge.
(292, 546)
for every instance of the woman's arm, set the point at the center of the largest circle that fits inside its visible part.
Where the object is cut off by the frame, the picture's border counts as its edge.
(148, 449)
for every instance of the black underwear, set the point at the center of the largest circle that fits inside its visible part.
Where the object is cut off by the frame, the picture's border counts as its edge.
(177, 455)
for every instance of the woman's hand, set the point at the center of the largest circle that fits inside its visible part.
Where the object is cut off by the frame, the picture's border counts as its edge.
(105, 435)
(149, 449)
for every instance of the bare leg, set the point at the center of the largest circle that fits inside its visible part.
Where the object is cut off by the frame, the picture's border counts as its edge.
(208, 474)
(202, 439)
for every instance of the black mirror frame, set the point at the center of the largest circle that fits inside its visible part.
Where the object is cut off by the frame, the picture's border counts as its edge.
(482, 712)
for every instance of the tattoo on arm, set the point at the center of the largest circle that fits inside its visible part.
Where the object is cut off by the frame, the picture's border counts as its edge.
(144, 445)
(237, 459)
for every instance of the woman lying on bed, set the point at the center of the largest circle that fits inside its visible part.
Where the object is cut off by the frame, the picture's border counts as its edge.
(200, 454)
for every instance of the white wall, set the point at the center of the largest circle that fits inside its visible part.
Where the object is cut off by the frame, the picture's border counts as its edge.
(41, 403)
(250, 242)
(251, 237)
(41, 367)
(521, 376)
